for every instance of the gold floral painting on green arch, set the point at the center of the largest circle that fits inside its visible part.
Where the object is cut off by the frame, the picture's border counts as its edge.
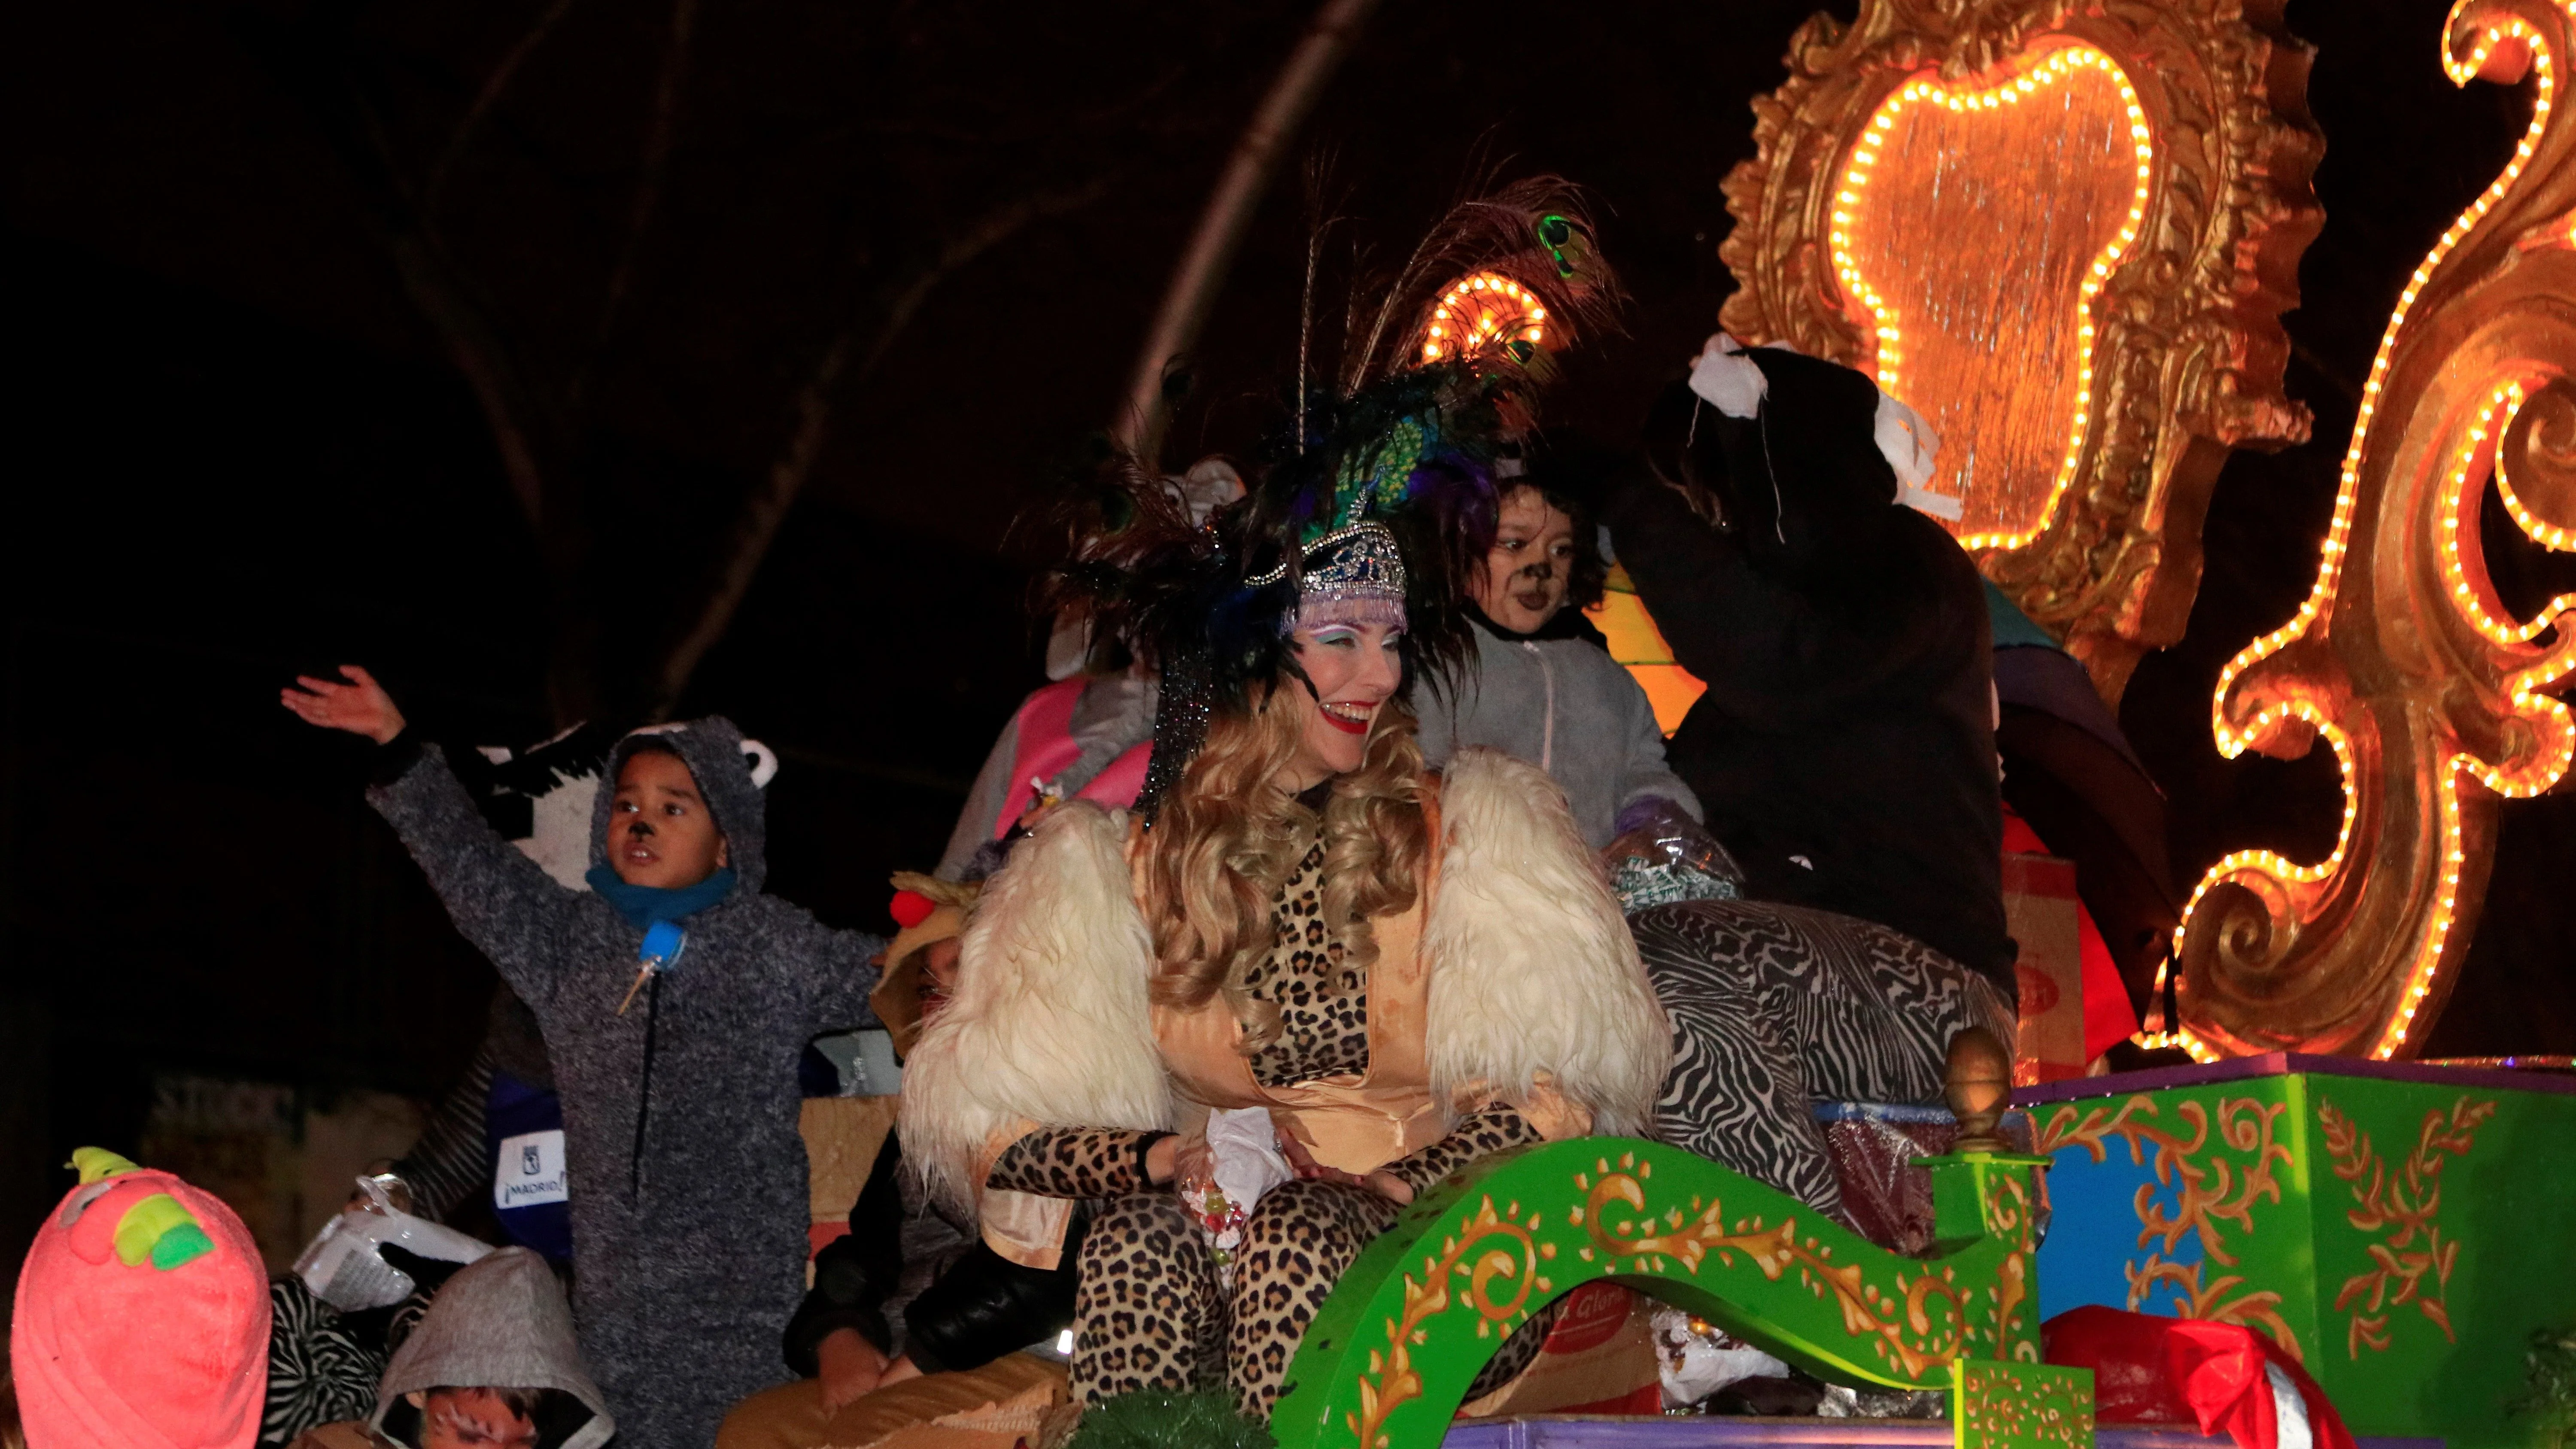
(1922, 1319)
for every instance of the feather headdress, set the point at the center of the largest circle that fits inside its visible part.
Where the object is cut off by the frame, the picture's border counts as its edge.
(1380, 494)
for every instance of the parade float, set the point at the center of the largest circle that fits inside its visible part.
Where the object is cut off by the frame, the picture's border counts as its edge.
(2065, 233)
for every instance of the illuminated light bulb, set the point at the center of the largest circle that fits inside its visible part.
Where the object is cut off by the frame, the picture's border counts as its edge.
(1875, 134)
(2430, 955)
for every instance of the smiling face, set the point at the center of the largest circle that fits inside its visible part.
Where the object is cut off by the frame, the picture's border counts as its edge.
(1529, 565)
(660, 832)
(1355, 668)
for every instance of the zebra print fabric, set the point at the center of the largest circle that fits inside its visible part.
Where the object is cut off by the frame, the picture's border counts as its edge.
(318, 1371)
(1775, 1008)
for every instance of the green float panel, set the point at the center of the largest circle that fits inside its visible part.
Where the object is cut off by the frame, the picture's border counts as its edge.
(1391, 1353)
(2402, 1229)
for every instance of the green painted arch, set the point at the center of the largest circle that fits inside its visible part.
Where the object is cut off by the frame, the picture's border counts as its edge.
(1392, 1351)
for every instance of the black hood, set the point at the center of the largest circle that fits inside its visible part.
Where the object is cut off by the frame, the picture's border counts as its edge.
(722, 762)
(1802, 485)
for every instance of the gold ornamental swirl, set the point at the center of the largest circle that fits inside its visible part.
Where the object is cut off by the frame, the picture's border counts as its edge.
(1489, 1251)
(2402, 1205)
(1900, 1323)
(2196, 206)
(2436, 701)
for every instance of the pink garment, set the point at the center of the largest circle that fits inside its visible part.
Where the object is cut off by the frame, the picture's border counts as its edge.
(111, 1356)
(1046, 748)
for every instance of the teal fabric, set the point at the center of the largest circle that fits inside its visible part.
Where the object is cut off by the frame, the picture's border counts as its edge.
(644, 905)
(2013, 628)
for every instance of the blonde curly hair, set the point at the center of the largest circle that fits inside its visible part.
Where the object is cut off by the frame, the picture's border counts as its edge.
(1229, 837)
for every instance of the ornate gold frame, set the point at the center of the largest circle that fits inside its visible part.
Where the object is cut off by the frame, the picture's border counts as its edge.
(2403, 658)
(2189, 354)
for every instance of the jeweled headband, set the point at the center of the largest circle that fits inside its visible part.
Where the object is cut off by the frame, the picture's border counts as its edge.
(1353, 575)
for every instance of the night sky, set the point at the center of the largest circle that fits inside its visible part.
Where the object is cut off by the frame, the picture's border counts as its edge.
(241, 444)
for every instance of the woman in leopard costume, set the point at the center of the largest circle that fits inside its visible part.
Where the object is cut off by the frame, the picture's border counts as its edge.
(1408, 972)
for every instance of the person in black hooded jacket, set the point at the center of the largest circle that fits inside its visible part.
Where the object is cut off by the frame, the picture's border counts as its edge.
(1844, 753)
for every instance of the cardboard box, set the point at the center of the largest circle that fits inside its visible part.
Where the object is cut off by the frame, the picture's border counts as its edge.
(2041, 912)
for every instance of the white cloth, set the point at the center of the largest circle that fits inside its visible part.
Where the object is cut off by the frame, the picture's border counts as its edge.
(1695, 1363)
(2290, 1428)
(1729, 381)
(1910, 447)
(1243, 1144)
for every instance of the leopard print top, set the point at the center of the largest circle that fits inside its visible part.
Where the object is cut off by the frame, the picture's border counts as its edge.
(1323, 1003)
(1323, 1011)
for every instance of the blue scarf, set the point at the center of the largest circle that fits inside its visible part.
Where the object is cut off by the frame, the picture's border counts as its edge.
(646, 906)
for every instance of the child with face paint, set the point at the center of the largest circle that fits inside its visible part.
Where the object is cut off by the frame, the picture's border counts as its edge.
(674, 997)
(1544, 687)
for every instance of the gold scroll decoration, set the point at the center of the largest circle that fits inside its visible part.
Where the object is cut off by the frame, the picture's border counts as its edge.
(2065, 234)
(2434, 697)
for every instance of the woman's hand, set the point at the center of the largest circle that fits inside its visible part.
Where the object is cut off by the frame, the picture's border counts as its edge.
(1191, 1159)
(852, 1368)
(360, 706)
(1302, 1161)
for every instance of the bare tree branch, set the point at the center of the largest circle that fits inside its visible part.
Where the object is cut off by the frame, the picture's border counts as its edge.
(484, 100)
(841, 364)
(478, 352)
(1210, 254)
(658, 134)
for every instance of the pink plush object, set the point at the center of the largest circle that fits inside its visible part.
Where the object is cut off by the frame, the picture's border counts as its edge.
(114, 1350)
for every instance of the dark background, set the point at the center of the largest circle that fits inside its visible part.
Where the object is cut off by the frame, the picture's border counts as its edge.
(239, 447)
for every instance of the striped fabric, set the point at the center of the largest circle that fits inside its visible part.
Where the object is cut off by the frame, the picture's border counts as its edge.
(318, 1371)
(1775, 1008)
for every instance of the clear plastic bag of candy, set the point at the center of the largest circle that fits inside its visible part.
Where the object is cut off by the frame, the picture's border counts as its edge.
(1663, 856)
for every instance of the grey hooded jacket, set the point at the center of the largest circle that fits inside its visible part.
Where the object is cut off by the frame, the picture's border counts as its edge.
(1565, 706)
(498, 1324)
(689, 1253)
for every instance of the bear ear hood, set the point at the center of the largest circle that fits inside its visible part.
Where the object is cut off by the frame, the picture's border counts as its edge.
(731, 772)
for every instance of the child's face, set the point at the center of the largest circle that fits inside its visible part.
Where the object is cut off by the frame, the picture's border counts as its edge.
(1531, 562)
(660, 832)
(471, 1419)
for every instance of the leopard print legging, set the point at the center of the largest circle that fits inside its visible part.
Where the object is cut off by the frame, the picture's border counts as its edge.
(1151, 1315)
(1151, 1311)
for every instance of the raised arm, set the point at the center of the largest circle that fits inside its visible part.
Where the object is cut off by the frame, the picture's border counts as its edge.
(1756, 645)
(499, 899)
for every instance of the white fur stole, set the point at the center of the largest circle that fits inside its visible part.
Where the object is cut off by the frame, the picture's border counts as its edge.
(1051, 1022)
(1532, 967)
